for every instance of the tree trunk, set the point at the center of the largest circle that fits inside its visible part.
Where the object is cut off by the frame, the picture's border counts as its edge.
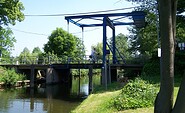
(180, 102)
(164, 99)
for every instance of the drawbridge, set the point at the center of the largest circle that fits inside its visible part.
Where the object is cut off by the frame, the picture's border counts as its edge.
(111, 20)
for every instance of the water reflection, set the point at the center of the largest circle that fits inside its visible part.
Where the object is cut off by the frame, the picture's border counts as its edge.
(45, 99)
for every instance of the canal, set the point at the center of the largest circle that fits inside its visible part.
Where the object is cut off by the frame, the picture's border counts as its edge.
(45, 98)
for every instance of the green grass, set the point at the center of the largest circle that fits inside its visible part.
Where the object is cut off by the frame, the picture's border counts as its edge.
(98, 102)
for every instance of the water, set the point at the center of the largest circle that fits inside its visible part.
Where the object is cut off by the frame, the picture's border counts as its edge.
(45, 99)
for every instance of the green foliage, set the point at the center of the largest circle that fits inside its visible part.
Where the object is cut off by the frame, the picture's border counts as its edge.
(62, 43)
(122, 45)
(83, 72)
(10, 11)
(36, 51)
(136, 94)
(152, 68)
(9, 76)
(7, 43)
(25, 56)
(144, 40)
(6, 39)
(35, 57)
(98, 47)
(179, 62)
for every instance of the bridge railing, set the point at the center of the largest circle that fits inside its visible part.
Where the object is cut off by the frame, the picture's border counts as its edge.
(55, 60)
(46, 60)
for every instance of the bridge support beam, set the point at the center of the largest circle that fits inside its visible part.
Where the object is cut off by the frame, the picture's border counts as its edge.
(113, 74)
(32, 77)
(51, 76)
(90, 79)
(65, 76)
(114, 46)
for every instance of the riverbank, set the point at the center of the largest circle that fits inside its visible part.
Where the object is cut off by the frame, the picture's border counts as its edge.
(98, 102)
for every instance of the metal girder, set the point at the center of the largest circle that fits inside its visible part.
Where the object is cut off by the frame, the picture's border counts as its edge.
(110, 23)
(138, 20)
(72, 21)
(115, 24)
(138, 17)
(134, 13)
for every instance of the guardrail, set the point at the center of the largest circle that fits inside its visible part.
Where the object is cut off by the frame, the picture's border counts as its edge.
(54, 60)
(46, 60)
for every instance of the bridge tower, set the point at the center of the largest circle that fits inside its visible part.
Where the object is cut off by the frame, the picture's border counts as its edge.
(111, 20)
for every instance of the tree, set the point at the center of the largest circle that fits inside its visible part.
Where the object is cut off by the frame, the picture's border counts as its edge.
(122, 46)
(79, 51)
(10, 11)
(37, 55)
(99, 53)
(167, 19)
(64, 44)
(145, 40)
(25, 56)
(36, 50)
(6, 41)
(167, 14)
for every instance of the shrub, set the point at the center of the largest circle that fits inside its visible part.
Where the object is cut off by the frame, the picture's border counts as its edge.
(152, 68)
(136, 94)
(9, 76)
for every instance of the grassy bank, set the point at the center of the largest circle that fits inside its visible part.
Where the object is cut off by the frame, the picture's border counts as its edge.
(98, 102)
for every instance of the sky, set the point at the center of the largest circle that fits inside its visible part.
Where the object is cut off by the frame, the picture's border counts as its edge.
(34, 30)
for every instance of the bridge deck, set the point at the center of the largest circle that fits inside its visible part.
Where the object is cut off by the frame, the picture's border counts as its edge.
(73, 66)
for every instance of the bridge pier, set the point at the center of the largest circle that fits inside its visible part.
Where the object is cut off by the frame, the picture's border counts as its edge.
(90, 74)
(51, 76)
(113, 72)
(64, 76)
(32, 77)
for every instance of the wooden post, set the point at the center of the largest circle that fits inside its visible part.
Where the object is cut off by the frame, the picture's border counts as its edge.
(32, 76)
(90, 78)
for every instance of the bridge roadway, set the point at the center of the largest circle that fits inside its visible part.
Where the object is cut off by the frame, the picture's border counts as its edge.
(72, 66)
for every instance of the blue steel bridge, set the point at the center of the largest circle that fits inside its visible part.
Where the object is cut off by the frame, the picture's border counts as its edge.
(59, 70)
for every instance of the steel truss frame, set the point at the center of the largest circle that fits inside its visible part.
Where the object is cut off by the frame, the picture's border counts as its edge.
(111, 20)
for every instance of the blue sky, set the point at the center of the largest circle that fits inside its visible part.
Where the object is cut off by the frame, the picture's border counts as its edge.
(45, 25)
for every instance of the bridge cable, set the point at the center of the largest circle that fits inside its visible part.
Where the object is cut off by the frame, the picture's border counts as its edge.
(92, 12)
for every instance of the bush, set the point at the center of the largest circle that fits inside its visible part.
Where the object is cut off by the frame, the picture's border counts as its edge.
(9, 76)
(136, 94)
(152, 68)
